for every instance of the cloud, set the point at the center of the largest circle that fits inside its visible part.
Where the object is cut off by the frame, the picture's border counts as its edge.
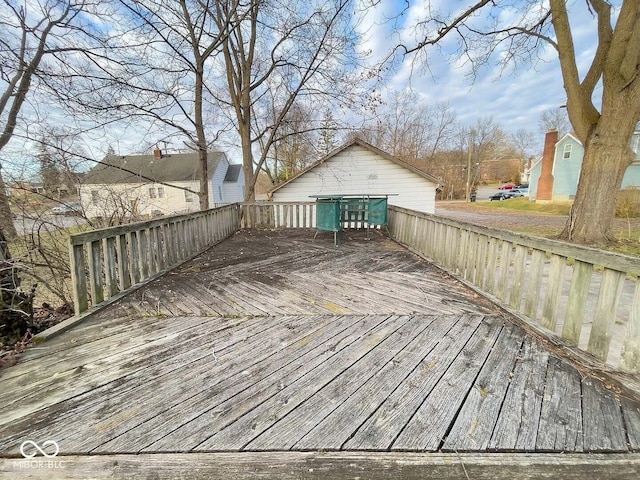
(516, 98)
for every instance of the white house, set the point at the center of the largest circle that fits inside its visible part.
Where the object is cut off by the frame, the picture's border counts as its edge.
(358, 168)
(147, 185)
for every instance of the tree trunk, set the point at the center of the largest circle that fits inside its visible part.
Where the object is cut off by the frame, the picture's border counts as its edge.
(202, 140)
(6, 218)
(247, 164)
(606, 158)
(16, 306)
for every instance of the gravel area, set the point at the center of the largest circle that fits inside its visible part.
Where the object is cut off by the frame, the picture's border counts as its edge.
(513, 219)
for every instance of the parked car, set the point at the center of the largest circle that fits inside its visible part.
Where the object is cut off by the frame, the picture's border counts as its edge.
(523, 185)
(507, 186)
(501, 196)
(67, 209)
(518, 192)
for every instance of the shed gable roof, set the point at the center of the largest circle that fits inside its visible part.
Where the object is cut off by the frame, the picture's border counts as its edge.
(181, 167)
(369, 147)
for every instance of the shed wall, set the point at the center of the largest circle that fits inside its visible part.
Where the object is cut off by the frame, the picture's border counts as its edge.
(357, 170)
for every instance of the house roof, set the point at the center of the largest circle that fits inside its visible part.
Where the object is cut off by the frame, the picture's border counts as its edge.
(233, 173)
(569, 135)
(369, 147)
(179, 167)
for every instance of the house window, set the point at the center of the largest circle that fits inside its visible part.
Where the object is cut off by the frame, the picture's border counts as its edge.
(220, 193)
(160, 192)
(152, 192)
(567, 151)
(95, 196)
(188, 197)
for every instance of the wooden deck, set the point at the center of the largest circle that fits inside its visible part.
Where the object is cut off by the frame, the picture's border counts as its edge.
(269, 342)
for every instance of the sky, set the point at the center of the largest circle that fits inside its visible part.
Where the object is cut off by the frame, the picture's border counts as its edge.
(515, 99)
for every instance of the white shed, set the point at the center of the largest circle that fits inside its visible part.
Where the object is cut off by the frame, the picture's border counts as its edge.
(362, 169)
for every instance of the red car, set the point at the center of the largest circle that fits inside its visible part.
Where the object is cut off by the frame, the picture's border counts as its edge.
(507, 186)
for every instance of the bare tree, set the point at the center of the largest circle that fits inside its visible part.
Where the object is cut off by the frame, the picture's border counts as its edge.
(299, 52)
(524, 142)
(606, 131)
(154, 68)
(555, 119)
(412, 130)
(31, 32)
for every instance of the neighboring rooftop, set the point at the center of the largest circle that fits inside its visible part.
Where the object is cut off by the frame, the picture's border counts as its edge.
(158, 167)
(233, 173)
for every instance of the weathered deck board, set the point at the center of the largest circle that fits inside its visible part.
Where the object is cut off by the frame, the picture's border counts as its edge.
(631, 413)
(384, 341)
(602, 419)
(428, 427)
(380, 430)
(475, 424)
(560, 426)
(517, 426)
(268, 375)
(271, 342)
(337, 466)
(289, 274)
(336, 427)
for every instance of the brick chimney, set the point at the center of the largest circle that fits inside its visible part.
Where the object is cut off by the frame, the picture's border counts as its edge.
(157, 153)
(545, 182)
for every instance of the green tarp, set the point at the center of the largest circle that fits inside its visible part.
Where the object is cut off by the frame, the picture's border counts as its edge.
(332, 212)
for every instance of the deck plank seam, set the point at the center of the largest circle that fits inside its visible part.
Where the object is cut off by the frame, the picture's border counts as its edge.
(407, 319)
(410, 418)
(455, 417)
(432, 320)
(373, 411)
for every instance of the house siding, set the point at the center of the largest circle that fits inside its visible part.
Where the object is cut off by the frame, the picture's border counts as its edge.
(534, 175)
(116, 199)
(234, 191)
(357, 170)
(631, 177)
(566, 171)
(216, 195)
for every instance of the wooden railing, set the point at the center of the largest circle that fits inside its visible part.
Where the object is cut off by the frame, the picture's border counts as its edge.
(109, 261)
(279, 215)
(589, 297)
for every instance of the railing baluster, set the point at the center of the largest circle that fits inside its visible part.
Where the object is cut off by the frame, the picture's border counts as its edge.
(515, 298)
(124, 276)
(95, 272)
(554, 289)
(631, 348)
(605, 315)
(578, 292)
(533, 289)
(111, 275)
